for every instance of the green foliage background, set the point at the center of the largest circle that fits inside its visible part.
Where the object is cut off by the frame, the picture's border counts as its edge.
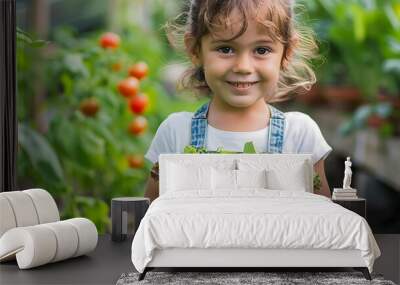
(81, 160)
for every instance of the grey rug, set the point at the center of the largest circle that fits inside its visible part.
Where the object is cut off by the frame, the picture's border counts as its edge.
(230, 278)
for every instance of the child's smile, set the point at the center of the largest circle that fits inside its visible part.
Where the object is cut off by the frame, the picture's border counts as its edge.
(244, 70)
(241, 87)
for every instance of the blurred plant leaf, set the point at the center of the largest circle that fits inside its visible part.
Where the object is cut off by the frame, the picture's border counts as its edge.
(346, 128)
(42, 156)
(95, 210)
(74, 63)
(26, 38)
(249, 148)
(359, 23)
(386, 130)
(361, 114)
(392, 65)
(93, 148)
(391, 14)
(383, 110)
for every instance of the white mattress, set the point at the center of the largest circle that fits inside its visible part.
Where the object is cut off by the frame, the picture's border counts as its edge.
(251, 218)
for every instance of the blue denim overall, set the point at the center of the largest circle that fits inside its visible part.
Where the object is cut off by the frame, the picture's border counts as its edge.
(274, 135)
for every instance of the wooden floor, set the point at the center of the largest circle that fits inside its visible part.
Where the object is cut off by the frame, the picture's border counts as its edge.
(110, 260)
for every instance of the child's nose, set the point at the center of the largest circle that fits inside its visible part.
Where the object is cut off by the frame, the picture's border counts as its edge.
(243, 64)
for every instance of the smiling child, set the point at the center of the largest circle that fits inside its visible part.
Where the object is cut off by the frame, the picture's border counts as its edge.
(246, 55)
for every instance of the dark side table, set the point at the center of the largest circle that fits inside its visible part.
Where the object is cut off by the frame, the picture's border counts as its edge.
(126, 214)
(358, 205)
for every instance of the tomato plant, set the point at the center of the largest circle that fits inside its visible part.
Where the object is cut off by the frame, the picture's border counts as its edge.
(95, 139)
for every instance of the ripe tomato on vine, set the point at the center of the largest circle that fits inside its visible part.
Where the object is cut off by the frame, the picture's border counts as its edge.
(138, 125)
(138, 103)
(135, 160)
(109, 40)
(89, 107)
(139, 70)
(129, 86)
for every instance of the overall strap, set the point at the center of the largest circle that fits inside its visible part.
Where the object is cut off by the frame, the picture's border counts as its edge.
(199, 126)
(275, 134)
(276, 131)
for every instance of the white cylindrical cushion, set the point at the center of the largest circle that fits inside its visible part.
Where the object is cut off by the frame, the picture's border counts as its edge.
(45, 205)
(67, 239)
(34, 245)
(23, 208)
(87, 233)
(40, 244)
(7, 218)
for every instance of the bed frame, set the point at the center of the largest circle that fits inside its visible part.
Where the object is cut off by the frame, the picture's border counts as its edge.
(242, 259)
(248, 259)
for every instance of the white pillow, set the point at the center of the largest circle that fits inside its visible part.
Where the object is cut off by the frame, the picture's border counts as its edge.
(188, 177)
(251, 178)
(223, 179)
(294, 178)
(230, 179)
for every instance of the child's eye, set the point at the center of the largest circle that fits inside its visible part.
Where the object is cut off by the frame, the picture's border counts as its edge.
(263, 50)
(225, 50)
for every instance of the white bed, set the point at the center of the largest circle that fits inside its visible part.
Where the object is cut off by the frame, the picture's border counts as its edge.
(207, 226)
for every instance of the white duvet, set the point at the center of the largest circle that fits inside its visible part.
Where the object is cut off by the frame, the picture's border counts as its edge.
(251, 218)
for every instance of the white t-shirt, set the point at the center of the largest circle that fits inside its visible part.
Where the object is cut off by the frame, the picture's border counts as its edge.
(301, 135)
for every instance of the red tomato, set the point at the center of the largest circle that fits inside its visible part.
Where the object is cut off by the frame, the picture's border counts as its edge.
(139, 70)
(109, 40)
(128, 87)
(89, 107)
(138, 125)
(138, 103)
(135, 161)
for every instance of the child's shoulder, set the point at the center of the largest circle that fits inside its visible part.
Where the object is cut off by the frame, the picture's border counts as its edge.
(177, 120)
(297, 117)
(303, 135)
(301, 122)
(179, 116)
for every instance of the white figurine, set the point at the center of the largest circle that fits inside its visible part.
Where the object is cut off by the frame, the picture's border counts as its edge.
(347, 174)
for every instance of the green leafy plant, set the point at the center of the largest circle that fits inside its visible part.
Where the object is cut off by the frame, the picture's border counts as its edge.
(248, 148)
(344, 30)
(360, 44)
(317, 182)
(382, 116)
(26, 38)
(98, 130)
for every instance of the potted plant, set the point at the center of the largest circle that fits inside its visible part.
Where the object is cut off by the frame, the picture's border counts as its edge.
(353, 73)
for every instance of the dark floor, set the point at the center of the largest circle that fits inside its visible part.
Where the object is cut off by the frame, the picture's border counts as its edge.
(102, 266)
(110, 259)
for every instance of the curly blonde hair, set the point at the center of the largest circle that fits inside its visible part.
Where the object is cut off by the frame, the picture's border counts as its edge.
(202, 17)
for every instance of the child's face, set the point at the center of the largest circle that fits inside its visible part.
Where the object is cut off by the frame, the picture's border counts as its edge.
(244, 70)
